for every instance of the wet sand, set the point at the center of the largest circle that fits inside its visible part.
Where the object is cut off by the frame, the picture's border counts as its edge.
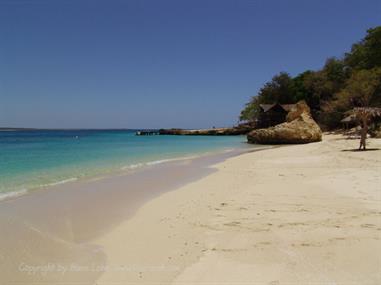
(46, 235)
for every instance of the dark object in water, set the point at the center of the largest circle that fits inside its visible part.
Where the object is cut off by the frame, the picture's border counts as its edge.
(147, 133)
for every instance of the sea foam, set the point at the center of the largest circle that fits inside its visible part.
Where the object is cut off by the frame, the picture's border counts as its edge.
(13, 194)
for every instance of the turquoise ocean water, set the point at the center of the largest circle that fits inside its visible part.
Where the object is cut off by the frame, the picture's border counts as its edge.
(38, 158)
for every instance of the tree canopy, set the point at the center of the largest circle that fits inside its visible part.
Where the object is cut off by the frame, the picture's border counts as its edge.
(343, 83)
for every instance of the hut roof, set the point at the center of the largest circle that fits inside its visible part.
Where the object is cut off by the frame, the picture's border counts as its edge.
(367, 111)
(268, 107)
(349, 119)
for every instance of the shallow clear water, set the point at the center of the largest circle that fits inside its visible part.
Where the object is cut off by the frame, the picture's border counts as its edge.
(33, 159)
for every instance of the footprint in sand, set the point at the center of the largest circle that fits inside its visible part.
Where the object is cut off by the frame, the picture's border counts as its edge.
(291, 225)
(271, 210)
(232, 224)
(337, 238)
(302, 210)
(368, 226)
(307, 244)
(264, 243)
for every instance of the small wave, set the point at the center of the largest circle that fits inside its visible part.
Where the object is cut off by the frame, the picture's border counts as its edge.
(60, 182)
(132, 166)
(155, 162)
(12, 194)
(162, 161)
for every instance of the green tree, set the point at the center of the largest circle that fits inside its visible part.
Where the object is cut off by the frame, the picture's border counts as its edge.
(366, 54)
(251, 110)
(363, 89)
(336, 72)
(321, 85)
(333, 90)
(301, 91)
(279, 89)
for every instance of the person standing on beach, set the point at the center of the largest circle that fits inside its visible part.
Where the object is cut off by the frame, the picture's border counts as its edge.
(363, 133)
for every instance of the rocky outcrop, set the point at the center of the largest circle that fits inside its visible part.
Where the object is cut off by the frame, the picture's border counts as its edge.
(299, 128)
(238, 130)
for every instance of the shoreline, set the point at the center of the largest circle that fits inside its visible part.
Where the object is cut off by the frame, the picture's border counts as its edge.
(32, 160)
(66, 218)
(128, 169)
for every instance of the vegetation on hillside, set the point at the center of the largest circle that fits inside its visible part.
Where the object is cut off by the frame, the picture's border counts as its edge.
(341, 85)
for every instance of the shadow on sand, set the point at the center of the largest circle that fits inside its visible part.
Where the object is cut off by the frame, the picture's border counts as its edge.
(358, 150)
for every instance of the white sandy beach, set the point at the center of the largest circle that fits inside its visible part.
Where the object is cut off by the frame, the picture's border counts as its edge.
(301, 214)
(296, 214)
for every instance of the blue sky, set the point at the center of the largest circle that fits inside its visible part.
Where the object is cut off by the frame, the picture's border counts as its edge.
(160, 63)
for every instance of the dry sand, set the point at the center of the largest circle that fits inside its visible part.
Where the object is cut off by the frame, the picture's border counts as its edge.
(302, 214)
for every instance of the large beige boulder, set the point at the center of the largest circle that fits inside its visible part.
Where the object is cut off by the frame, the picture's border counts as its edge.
(299, 128)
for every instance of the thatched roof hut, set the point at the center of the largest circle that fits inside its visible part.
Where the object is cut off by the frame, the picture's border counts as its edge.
(273, 114)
